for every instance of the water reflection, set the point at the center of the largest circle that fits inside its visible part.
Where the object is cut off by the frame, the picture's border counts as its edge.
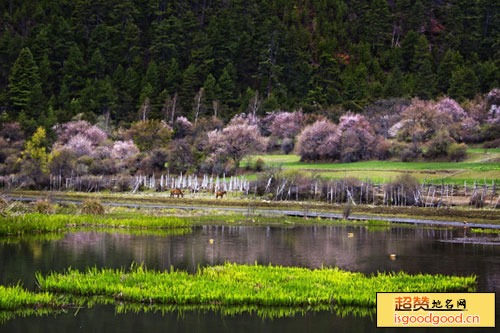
(419, 250)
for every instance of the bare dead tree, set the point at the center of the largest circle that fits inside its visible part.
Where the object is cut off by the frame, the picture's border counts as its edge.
(198, 104)
(215, 105)
(174, 104)
(254, 103)
(145, 109)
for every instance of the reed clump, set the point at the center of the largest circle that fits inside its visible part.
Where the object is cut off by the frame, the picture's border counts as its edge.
(233, 284)
(92, 206)
(43, 207)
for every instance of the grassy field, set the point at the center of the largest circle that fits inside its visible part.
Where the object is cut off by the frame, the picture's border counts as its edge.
(478, 166)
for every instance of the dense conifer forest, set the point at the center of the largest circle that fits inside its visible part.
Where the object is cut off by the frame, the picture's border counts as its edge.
(127, 59)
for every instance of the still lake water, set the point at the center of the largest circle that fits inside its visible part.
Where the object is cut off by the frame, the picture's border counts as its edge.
(419, 250)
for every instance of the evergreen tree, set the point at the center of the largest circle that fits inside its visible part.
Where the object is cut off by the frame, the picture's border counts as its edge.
(24, 86)
(452, 60)
(97, 65)
(189, 87)
(463, 84)
(210, 89)
(73, 73)
(394, 84)
(422, 68)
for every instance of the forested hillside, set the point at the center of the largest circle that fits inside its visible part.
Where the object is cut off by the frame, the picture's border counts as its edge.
(125, 60)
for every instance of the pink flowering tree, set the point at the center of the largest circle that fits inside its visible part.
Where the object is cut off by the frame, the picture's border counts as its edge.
(418, 123)
(452, 117)
(71, 129)
(357, 140)
(123, 152)
(80, 145)
(287, 124)
(245, 119)
(312, 143)
(493, 105)
(182, 127)
(236, 141)
(450, 110)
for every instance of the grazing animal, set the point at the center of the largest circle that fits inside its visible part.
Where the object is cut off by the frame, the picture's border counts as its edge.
(220, 194)
(176, 192)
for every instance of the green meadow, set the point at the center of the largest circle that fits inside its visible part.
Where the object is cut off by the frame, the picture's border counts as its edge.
(478, 167)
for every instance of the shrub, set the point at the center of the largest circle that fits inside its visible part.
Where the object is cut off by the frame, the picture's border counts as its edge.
(62, 162)
(182, 127)
(123, 183)
(287, 124)
(410, 152)
(259, 165)
(287, 145)
(105, 166)
(439, 146)
(311, 141)
(492, 144)
(43, 207)
(418, 122)
(236, 141)
(3, 206)
(92, 207)
(71, 129)
(382, 149)
(13, 134)
(153, 162)
(124, 153)
(149, 134)
(457, 152)
(180, 156)
(357, 139)
(80, 145)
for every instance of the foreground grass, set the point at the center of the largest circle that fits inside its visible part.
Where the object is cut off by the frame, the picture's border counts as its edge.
(233, 284)
(15, 297)
(41, 223)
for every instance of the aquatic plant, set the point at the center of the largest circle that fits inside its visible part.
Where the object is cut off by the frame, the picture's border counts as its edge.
(41, 223)
(15, 297)
(486, 231)
(233, 284)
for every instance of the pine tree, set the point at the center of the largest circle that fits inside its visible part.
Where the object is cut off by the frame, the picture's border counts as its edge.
(97, 65)
(452, 60)
(210, 89)
(394, 85)
(421, 66)
(24, 86)
(463, 83)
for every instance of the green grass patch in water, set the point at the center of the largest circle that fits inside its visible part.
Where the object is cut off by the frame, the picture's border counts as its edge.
(40, 223)
(233, 284)
(485, 231)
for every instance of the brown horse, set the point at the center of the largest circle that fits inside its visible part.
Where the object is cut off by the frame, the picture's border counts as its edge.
(220, 194)
(176, 192)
